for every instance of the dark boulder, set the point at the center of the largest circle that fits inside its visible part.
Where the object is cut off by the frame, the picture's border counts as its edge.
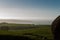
(56, 28)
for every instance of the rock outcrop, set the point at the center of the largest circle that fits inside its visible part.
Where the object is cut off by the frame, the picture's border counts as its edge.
(56, 28)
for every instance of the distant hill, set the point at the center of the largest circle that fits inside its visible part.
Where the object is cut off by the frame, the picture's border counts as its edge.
(44, 22)
(16, 21)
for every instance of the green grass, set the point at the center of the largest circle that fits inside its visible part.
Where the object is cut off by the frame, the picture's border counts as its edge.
(44, 30)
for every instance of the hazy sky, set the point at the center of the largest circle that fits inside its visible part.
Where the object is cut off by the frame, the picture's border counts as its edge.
(29, 9)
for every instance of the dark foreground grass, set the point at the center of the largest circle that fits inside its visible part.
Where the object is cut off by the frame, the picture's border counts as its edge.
(43, 31)
(11, 37)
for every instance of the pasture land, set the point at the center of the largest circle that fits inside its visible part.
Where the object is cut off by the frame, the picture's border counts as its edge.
(40, 30)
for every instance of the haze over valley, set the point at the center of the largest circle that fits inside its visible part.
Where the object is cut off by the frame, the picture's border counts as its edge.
(37, 22)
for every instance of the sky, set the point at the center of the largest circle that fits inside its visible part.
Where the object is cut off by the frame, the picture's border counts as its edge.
(29, 9)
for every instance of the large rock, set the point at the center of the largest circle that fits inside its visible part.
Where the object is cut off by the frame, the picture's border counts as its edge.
(55, 23)
(56, 28)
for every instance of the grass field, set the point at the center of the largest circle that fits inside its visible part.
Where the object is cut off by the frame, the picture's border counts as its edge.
(43, 30)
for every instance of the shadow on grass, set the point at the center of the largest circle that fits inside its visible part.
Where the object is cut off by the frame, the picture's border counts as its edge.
(25, 36)
(11, 37)
(37, 36)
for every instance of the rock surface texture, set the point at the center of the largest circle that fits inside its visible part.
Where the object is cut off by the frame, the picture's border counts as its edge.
(56, 28)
